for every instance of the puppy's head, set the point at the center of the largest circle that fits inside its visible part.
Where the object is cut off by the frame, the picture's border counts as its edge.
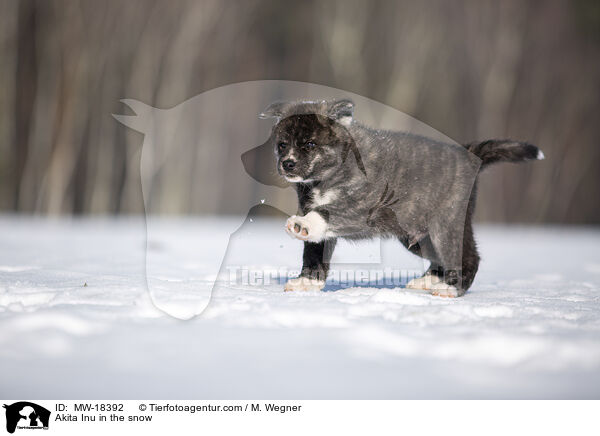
(311, 139)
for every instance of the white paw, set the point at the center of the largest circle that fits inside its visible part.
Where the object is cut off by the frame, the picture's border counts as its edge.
(311, 227)
(443, 289)
(425, 282)
(304, 284)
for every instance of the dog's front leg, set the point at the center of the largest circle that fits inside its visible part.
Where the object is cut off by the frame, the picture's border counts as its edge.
(315, 266)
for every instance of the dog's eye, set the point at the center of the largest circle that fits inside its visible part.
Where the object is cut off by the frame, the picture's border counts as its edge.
(281, 146)
(310, 144)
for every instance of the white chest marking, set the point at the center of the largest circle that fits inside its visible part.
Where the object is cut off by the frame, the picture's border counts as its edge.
(321, 199)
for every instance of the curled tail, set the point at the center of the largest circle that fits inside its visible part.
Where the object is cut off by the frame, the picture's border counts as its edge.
(504, 150)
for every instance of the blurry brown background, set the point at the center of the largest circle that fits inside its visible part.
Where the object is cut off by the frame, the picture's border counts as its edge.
(527, 70)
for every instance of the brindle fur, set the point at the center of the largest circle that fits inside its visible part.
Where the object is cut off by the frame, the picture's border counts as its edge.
(385, 183)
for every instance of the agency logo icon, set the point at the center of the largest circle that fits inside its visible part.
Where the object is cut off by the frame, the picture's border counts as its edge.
(26, 415)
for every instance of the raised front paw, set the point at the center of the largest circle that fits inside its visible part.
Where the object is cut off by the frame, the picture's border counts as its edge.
(297, 227)
(310, 228)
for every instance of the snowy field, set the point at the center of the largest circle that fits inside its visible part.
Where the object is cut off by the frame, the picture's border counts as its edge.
(77, 320)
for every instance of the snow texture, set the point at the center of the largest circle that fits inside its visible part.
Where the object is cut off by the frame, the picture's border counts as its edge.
(77, 321)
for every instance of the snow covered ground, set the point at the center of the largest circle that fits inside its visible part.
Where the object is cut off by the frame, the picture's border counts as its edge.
(76, 319)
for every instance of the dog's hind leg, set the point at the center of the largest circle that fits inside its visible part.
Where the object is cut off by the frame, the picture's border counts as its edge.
(447, 241)
(447, 238)
(470, 256)
(315, 266)
(425, 249)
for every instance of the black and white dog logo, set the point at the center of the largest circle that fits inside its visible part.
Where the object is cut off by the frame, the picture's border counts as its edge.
(26, 415)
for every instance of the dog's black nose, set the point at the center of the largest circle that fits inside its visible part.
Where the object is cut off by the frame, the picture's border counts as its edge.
(288, 164)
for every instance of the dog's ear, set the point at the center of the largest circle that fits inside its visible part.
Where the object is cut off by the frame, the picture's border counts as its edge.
(342, 111)
(274, 110)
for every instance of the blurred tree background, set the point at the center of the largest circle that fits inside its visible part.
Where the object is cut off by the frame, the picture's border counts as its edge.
(527, 70)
